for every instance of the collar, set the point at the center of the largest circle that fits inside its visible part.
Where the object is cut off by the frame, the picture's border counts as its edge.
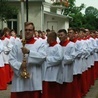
(3, 38)
(64, 43)
(8, 36)
(74, 40)
(52, 44)
(79, 39)
(30, 41)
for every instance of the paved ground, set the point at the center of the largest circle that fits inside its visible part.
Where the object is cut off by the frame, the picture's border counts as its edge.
(93, 92)
(5, 93)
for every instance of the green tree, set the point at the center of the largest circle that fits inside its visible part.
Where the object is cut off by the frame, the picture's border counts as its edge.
(88, 20)
(91, 11)
(91, 17)
(75, 13)
(7, 11)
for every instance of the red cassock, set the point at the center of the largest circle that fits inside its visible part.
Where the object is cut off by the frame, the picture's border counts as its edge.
(9, 73)
(3, 84)
(26, 94)
(51, 90)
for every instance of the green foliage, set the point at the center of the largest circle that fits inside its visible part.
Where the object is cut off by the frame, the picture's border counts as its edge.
(91, 21)
(7, 11)
(91, 11)
(72, 3)
(88, 20)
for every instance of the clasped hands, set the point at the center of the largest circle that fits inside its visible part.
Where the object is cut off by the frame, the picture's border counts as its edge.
(25, 50)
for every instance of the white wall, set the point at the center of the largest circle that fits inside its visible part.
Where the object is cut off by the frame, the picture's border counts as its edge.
(35, 17)
(62, 23)
(35, 14)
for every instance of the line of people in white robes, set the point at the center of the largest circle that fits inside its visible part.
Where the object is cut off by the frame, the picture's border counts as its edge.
(67, 71)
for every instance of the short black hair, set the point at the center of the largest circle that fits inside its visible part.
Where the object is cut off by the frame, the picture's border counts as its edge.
(47, 30)
(53, 34)
(62, 30)
(72, 28)
(83, 30)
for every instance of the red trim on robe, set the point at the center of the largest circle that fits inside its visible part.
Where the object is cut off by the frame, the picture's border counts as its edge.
(88, 36)
(79, 39)
(8, 36)
(30, 41)
(52, 44)
(3, 37)
(64, 43)
(74, 40)
(43, 37)
(15, 37)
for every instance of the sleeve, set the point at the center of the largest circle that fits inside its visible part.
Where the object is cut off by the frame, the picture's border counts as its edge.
(90, 47)
(86, 50)
(78, 49)
(8, 46)
(69, 56)
(38, 56)
(56, 58)
(15, 64)
(95, 45)
(1, 46)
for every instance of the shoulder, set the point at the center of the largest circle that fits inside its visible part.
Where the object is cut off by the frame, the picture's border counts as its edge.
(71, 44)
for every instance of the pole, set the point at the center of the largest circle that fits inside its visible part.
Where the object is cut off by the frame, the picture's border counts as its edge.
(22, 19)
(27, 10)
(24, 74)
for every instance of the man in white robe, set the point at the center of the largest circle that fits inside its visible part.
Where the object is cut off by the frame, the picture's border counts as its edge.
(51, 67)
(35, 55)
(67, 64)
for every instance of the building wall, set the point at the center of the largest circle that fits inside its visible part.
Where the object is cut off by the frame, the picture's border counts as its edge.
(61, 23)
(34, 14)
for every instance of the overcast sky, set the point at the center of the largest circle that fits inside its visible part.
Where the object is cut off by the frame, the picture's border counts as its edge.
(87, 3)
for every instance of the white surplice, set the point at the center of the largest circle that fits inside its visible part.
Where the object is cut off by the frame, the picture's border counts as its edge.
(67, 63)
(52, 64)
(34, 61)
(1, 55)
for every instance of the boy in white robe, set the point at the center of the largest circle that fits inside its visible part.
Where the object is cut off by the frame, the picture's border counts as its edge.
(7, 48)
(3, 83)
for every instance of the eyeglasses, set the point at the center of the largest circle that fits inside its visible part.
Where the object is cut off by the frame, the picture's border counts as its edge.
(70, 32)
(28, 30)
